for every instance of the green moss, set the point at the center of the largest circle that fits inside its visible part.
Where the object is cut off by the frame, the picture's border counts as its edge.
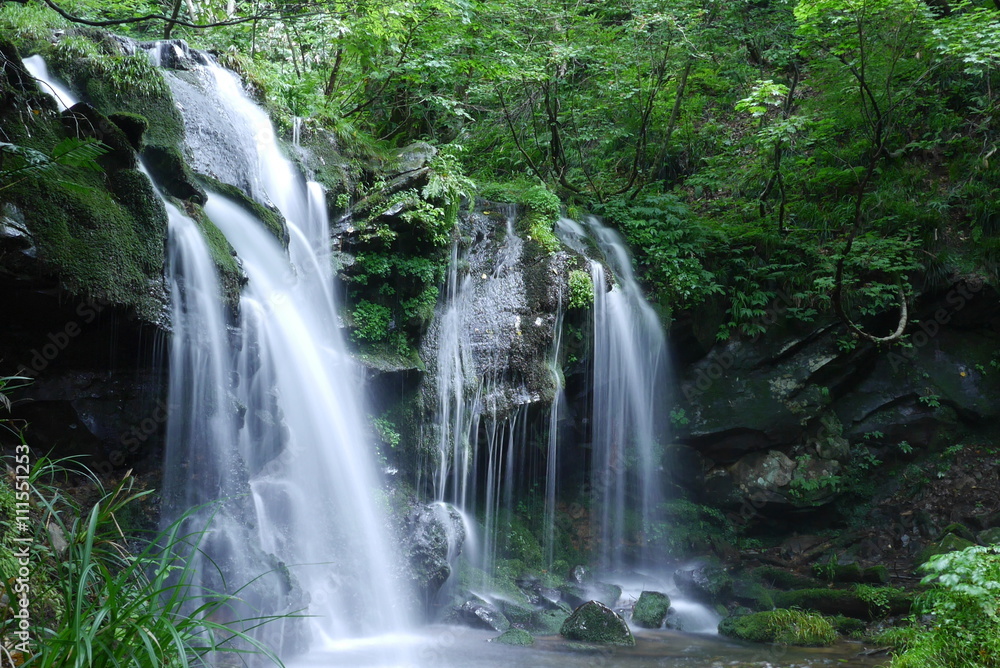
(230, 273)
(651, 609)
(597, 623)
(515, 637)
(99, 247)
(779, 578)
(785, 627)
(271, 219)
(517, 542)
(845, 602)
(848, 626)
(752, 594)
(117, 83)
(948, 543)
(171, 171)
(134, 126)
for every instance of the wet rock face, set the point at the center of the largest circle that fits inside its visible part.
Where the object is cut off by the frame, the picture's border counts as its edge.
(432, 539)
(779, 418)
(506, 314)
(597, 623)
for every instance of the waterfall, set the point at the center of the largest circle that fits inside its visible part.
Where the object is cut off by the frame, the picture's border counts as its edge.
(263, 417)
(630, 373)
(552, 449)
(303, 440)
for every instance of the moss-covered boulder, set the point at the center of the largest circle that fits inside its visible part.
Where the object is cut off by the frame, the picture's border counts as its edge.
(989, 536)
(870, 603)
(84, 121)
(785, 627)
(134, 126)
(708, 582)
(780, 578)
(948, 543)
(597, 623)
(516, 637)
(172, 173)
(650, 610)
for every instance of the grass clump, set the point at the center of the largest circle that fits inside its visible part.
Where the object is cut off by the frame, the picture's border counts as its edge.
(784, 627)
(114, 599)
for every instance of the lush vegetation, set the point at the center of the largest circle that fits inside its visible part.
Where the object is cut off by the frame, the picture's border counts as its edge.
(100, 591)
(958, 622)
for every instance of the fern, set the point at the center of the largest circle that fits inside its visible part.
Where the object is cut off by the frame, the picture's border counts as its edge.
(18, 163)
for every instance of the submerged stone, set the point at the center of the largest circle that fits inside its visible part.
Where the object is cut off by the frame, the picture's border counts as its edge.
(597, 623)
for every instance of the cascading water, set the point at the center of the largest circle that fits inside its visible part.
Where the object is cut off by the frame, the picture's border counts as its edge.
(272, 430)
(630, 376)
(302, 439)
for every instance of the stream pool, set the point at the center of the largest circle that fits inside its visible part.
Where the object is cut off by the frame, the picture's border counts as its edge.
(461, 647)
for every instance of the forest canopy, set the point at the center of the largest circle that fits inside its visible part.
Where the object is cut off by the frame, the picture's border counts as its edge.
(820, 150)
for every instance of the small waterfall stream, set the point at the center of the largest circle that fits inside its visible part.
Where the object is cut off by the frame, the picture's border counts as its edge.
(629, 377)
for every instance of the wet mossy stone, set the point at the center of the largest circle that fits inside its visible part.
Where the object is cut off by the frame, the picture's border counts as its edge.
(834, 572)
(844, 602)
(271, 218)
(651, 609)
(779, 578)
(989, 536)
(752, 594)
(515, 637)
(134, 126)
(949, 543)
(597, 623)
(785, 627)
(84, 121)
(170, 170)
(847, 626)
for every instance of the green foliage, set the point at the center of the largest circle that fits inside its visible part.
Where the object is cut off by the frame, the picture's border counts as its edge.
(71, 154)
(371, 321)
(784, 627)
(581, 289)
(669, 247)
(965, 626)
(120, 600)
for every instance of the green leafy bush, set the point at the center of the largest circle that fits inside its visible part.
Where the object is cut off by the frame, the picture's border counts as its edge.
(581, 289)
(965, 620)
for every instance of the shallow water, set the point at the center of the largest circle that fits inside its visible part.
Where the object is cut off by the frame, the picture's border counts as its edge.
(461, 647)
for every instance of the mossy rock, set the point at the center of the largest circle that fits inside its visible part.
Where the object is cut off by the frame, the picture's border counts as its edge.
(779, 578)
(834, 572)
(949, 543)
(271, 218)
(134, 126)
(515, 637)
(84, 121)
(752, 594)
(597, 623)
(785, 627)
(844, 602)
(548, 622)
(959, 530)
(847, 626)
(170, 170)
(989, 536)
(650, 610)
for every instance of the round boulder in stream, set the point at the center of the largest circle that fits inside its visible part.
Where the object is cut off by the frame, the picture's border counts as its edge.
(597, 623)
(650, 610)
